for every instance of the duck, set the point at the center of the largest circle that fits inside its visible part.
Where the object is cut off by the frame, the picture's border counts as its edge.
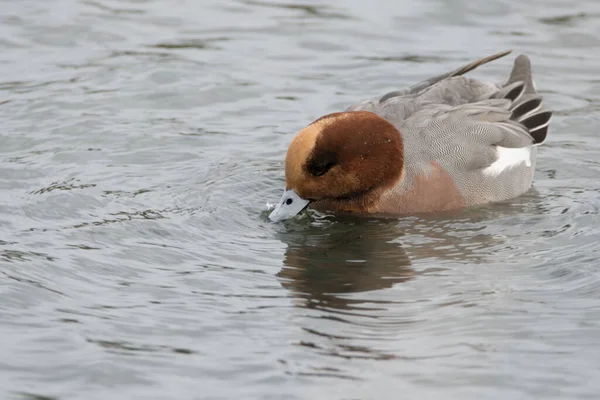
(446, 143)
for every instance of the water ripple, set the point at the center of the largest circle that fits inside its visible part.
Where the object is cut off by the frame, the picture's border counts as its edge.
(141, 151)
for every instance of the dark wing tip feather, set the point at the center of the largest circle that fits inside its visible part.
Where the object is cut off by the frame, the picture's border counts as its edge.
(537, 125)
(526, 107)
(537, 120)
(516, 92)
(539, 135)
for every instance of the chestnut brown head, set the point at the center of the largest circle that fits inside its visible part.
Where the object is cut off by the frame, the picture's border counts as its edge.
(340, 158)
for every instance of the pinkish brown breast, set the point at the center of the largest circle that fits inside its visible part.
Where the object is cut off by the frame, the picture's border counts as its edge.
(435, 191)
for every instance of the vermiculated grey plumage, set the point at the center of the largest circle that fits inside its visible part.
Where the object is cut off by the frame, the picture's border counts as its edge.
(463, 125)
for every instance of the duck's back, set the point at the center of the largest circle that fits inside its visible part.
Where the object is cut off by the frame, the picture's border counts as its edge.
(466, 142)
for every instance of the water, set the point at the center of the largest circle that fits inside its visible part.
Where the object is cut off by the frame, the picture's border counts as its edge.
(141, 141)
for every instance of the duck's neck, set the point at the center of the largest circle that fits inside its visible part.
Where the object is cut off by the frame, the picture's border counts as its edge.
(365, 202)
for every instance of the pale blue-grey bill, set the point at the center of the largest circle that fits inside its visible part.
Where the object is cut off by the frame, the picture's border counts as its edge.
(290, 205)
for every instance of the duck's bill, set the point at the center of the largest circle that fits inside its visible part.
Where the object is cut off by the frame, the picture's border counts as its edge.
(289, 206)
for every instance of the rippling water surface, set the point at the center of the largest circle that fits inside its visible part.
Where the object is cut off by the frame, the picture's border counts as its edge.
(142, 140)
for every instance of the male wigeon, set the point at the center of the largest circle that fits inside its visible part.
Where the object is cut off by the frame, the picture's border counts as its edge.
(446, 143)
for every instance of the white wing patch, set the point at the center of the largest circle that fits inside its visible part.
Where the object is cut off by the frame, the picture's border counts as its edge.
(509, 158)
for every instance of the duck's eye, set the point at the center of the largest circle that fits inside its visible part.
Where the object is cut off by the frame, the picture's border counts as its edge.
(289, 201)
(321, 168)
(320, 162)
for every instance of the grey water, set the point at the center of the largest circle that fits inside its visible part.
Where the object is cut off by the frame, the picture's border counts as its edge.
(141, 148)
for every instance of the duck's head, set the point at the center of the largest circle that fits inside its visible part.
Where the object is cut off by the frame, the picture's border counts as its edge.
(342, 159)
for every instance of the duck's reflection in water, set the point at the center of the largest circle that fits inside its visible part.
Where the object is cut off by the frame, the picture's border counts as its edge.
(333, 256)
(338, 269)
(347, 256)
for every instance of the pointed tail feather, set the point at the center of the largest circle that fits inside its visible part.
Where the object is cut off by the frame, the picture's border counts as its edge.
(522, 72)
(527, 106)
